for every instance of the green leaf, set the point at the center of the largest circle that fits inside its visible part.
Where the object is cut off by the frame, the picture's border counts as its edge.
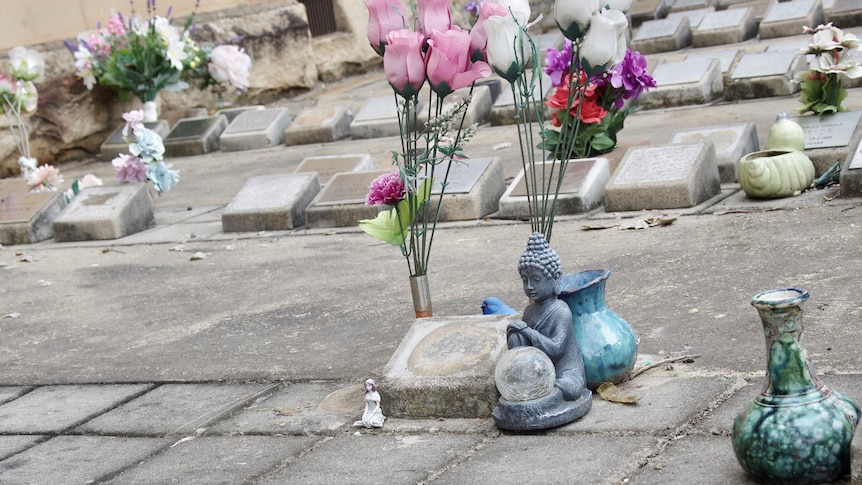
(388, 226)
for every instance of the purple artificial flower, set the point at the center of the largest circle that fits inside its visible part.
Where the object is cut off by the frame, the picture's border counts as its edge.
(558, 64)
(129, 169)
(386, 189)
(631, 76)
(472, 8)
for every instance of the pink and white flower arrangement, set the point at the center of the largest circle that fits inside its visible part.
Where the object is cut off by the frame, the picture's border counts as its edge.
(832, 53)
(442, 55)
(145, 160)
(229, 64)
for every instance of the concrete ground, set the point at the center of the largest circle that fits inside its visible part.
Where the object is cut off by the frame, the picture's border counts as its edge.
(128, 362)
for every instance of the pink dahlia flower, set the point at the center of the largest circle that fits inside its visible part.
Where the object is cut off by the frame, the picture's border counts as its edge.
(386, 189)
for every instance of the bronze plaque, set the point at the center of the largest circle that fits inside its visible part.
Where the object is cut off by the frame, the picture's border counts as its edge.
(348, 188)
(20, 207)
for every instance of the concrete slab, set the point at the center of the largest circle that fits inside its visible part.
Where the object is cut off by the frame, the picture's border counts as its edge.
(684, 83)
(209, 460)
(8, 393)
(662, 35)
(526, 458)
(10, 445)
(87, 459)
(319, 408)
(54, 409)
(695, 15)
(763, 74)
(759, 7)
(846, 13)
(473, 191)
(710, 459)
(195, 136)
(176, 409)
(379, 458)
(444, 367)
(114, 145)
(107, 212)
(377, 118)
(271, 203)
(687, 5)
(731, 142)
(342, 201)
(320, 125)
(830, 139)
(644, 10)
(725, 27)
(583, 189)
(255, 129)
(663, 177)
(27, 217)
(477, 112)
(725, 57)
(232, 113)
(785, 19)
(326, 166)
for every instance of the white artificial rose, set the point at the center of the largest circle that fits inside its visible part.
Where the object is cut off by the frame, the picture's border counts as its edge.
(519, 8)
(230, 65)
(622, 5)
(27, 64)
(502, 33)
(573, 16)
(605, 43)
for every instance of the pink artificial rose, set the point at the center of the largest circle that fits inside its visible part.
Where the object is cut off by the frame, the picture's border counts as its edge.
(478, 34)
(44, 177)
(434, 15)
(129, 169)
(403, 62)
(384, 16)
(89, 180)
(448, 66)
(386, 189)
(229, 65)
(134, 122)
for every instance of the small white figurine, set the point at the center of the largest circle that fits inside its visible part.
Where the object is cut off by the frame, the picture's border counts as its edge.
(372, 417)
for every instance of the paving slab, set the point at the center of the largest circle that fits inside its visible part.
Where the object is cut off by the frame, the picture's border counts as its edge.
(662, 35)
(195, 136)
(255, 129)
(731, 141)
(271, 203)
(27, 217)
(232, 113)
(685, 82)
(725, 27)
(764, 74)
(708, 458)
(378, 458)
(318, 408)
(785, 19)
(176, 409)
(106, 212)
(644, 10)
(8, 393)
(663, 177)
(12, 444)
(444, 367)
(209, 460)
(695, 16)
(582, 190)
(114, 144)
(77, 459)
(342, 201)
(326, 166)
(540, 458)
(53, 409)
(322, 124)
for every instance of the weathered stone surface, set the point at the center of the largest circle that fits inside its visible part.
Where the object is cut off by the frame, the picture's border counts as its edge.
(115, 145)
(784, 19)
(473, 192)
(663, 177)
(644, 10)
(686, 82)
(108, 212)
(319, 125)
(26, 217)
(326, 166)
(255, 129)
(662, 35)
(342, 202)
(846, 13)
(764, 74)
(195, 136)
(725, 27)
(232, 113)
(271, 203)
(444, 367)
(731, 143)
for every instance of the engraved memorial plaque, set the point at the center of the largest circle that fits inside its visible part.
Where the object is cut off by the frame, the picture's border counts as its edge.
(253, 120)
(658, 164)
(462, 176)
(327, 167)
(381, 107)
(681, 72)
(829, 131)
(191, 128)
(775, 63)
(348, 188)
(21, 207)
(576, 173)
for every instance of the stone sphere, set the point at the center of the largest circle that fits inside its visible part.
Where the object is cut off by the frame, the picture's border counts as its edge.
(524, 374)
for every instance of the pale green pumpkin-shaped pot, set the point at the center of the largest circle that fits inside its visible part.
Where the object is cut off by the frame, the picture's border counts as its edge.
(772, 174)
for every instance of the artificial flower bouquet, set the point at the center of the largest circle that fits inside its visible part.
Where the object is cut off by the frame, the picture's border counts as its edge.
(145, 160)
(594, 76)
(832, 53)
(448, 59)
(220, 68)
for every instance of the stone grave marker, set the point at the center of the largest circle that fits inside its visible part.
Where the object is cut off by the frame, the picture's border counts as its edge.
(503, 109)
(477, 111)
(731, 141)
(663, 177)
(759, 74)
(326, 166)
(851, 175)
(450, 358)
(26, 217)
(232, 113)
(725, 27)
(114, 145)
(377, 118)
(644, 10)
(341, 203)
(271, 203)
(473, 189)
(785, 19)
(695, 16)
(320, 125)
(105, 212)
(662, 35)
(725, 58)
(846, 12)
(828, 138)
(687, 5)
(684, 83)
(195, 136)
(582, 189)
(255, 129)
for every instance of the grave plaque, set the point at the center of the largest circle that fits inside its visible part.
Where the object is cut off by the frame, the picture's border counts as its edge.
(192, 128)
(231, 113)
(582, 189)
(671, 73)
(108, 212)
(829, 131)
(253, 120)
(658, 164)
(758, 64)
(782, 11)
(462, 176)
(271, 203)
(725, 57)
(255, 129)
(320, 125)
(195, 136)
(25, 217)
(856, 163)
(574, 177)
(21, 207)
(347, 188)
(327, 166)
(379, 108)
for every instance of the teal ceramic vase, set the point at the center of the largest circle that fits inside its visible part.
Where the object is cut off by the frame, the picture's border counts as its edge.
(797, 431)
(608, 343)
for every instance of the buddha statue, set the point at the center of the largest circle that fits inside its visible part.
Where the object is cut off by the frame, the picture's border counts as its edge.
(547, 325)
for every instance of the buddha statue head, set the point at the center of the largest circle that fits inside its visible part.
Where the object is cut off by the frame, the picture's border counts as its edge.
(540, 269)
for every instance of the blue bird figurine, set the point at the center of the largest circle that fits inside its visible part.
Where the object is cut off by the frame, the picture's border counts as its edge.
(493, 306)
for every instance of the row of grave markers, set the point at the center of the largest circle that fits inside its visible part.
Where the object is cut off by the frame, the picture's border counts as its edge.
(329, 191)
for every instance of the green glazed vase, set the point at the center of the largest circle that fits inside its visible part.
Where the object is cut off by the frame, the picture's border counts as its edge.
(797, 430)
